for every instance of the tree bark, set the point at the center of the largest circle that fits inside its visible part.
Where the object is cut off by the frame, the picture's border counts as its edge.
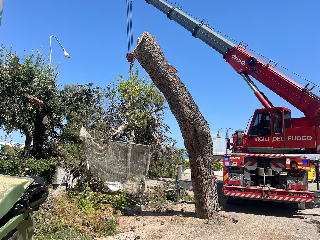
(28, 141)
(194, 128)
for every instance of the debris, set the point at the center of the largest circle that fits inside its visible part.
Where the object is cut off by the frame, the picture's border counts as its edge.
(235, 220)
(112, 186)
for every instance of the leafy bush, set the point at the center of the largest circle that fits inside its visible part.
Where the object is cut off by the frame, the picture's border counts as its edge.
(184, 196)
(15, 165)
(89, 199)
(158, 196)
(69, 221)
(163, 164)
(217, 166)
(188, 163)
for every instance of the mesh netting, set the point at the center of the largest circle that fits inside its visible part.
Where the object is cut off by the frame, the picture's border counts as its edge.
(117, 161)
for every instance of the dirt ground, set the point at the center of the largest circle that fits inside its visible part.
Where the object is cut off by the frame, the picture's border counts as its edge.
(248, 220)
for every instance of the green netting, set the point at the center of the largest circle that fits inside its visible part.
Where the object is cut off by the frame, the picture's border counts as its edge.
(117, 161)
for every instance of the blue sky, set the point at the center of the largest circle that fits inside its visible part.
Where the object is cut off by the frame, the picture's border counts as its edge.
(94, 34)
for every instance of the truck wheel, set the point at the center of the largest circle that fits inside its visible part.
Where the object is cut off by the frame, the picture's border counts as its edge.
(232, 200)
(299, 206)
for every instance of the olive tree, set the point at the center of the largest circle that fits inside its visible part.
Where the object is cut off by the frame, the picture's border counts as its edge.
(30, 100)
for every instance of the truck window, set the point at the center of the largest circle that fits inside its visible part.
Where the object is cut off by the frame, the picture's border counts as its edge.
(287, 119)
(277, 122)
(261, 125)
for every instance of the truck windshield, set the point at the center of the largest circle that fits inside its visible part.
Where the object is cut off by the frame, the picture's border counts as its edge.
(261, 125)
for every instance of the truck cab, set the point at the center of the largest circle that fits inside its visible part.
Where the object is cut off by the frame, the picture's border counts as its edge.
(271, 131)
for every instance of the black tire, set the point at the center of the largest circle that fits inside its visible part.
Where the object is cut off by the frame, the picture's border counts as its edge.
(233, 200)
(298, 206)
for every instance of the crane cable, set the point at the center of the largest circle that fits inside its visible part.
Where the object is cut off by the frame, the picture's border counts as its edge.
(129, 55)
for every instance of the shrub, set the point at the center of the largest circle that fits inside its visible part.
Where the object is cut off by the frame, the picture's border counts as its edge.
(163, 164)
(158, 196)
(217, 166)
(88, 198)
(69, 221)
(15, 165)
(188, 163)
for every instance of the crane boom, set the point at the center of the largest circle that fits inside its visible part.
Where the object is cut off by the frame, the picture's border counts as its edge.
(198, 29)
(244, 62)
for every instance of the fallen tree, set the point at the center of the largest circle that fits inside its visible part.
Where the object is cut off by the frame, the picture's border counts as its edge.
(194, 128)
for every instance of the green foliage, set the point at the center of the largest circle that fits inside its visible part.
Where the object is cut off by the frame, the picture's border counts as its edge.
(137, 108)
(184, 196)
(30, 101)
(217, 166)
(54, 230)
(7, 149)
(141, 97)
(187, 163)
(163, 164)
(68, 221)
(84, 107)
(16, 166)
(88, 198)
(157, 197)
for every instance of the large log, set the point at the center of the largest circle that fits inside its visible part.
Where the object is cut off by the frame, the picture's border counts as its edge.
(194, 128)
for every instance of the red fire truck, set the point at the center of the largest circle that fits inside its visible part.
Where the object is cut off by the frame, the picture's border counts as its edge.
(271, 160)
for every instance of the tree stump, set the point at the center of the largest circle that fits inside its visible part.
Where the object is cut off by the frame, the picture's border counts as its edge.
(194, 128)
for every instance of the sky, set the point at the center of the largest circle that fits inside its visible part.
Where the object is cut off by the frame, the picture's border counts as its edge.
(94, 34)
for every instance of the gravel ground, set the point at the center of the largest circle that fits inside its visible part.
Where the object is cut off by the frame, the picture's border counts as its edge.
(248, 220)
(258, 220)
(245, 221)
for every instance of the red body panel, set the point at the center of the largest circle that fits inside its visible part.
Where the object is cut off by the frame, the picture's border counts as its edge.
(300, 137)
(305, 122)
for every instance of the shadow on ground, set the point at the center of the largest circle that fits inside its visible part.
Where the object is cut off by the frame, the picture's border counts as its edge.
(266, 208)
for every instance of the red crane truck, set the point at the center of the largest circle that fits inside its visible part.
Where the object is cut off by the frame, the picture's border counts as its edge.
(271, 160)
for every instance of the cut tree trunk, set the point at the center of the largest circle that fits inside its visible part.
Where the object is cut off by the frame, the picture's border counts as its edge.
(194, 128)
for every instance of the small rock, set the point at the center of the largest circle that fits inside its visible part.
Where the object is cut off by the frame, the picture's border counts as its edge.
(182, 210)
(143, 224)
(208, 222)
(235, 220)
(162, 223)
(137, 219)
(133, 229)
